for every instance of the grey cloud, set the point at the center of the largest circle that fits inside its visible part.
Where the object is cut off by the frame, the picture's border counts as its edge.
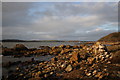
(14, 14)
(62, 21)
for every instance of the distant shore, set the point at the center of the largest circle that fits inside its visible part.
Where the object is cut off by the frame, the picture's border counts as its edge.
(16, 40)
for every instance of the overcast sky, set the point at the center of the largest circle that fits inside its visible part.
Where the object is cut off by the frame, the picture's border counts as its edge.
(58, 20)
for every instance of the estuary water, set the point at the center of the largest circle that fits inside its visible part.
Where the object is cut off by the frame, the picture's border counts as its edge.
(37, 44)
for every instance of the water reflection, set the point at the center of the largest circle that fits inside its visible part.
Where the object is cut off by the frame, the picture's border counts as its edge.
(6, 59)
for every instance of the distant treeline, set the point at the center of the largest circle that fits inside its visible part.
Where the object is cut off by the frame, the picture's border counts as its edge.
(14, 40)
(10, 40)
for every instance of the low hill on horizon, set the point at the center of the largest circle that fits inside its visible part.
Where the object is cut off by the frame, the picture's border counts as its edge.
(112, 37)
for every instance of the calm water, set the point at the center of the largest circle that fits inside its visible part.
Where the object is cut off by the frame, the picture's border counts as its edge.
(37, 44)
(6, 59)
(29, 45)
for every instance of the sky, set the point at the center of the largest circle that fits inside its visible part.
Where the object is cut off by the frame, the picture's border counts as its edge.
(58, 20)
(60, 0)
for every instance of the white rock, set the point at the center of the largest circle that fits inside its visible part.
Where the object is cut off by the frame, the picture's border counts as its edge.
(101, 46)
(69, 68)
(88, 74)
(63, 65)
(107, 56)
(106, 53)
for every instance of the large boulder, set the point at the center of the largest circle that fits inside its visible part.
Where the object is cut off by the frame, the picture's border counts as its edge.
(20, 47)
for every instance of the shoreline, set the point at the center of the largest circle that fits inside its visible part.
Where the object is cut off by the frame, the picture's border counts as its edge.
(68, 60)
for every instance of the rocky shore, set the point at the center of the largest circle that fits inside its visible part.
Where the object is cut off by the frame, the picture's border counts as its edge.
(83, 62)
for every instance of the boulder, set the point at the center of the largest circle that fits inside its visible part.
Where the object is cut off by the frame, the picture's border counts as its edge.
(20, 47)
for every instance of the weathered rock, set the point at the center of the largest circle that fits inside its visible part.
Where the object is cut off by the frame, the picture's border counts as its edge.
(75, 57)
(88, 74)
(54, 59)
(65, 51)
(98, 48)
(68, 47)
(98, 74)
(107, 56)
(32, 49)
(118, 74)
(75, 46)
(7, 51)
(94, 72)
(62, 46)
(46, 75)
(20, 47)
(91, 60)
(44, 47)
(56, 51)
(69, 68)
(84, 55)
(51, 73)
(63, 65)
(101, 46)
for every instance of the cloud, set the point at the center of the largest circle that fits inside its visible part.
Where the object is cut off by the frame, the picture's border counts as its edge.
(60, 1)
(61, 21)
(15, 14)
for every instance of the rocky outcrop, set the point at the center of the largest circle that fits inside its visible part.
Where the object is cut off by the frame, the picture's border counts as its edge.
(20, 47)
(112, 37)
(89, 62)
